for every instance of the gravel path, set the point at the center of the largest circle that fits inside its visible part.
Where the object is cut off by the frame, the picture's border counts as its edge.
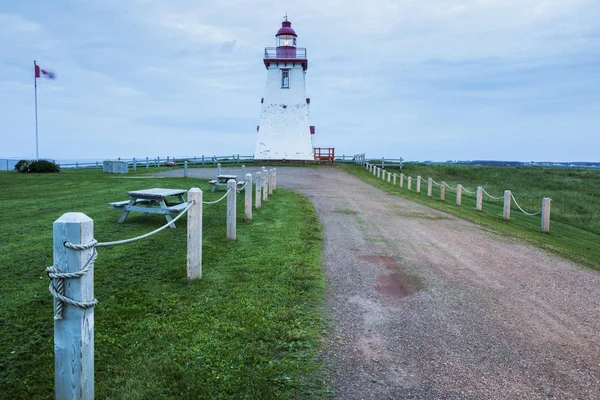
(428, 306)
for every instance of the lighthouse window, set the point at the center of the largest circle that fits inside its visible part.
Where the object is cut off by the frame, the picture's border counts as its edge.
(285, 78)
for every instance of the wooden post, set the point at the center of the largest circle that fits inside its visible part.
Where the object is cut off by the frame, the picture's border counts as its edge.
(265, 179)
(258, 195)
(401, 159)
(418, 183)
(401, 180)
(243, 170)
(203, 160)
(409, 183)
(218, 169)
(158, 161)
(134, 164)
(231, 209)
(479, 201)
(394, 180)
(270, 182)
(546, 214)
(442, 190)
(506, 210)
(248, 203)
(147, 165)
(194, 235)
(74, 332)
(458, 194)
(429, 187)
(194, 160)
(185, 169)
(274, 179)
(382, 162)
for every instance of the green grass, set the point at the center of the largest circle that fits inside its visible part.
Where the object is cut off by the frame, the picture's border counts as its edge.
(575, 210)
(250, 328)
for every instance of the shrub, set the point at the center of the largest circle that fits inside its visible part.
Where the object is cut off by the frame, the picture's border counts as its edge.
(36, 166)
(22, 166)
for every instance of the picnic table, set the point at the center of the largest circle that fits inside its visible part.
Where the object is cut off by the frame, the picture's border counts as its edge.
(221, 181)
(152, 201)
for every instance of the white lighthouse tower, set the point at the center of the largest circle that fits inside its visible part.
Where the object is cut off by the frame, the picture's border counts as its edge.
(284, 132)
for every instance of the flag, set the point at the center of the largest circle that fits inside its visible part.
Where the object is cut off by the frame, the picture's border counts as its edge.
(39, 72)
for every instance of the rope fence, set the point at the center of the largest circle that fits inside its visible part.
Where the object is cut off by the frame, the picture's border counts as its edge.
(75, 253)
(458, 189)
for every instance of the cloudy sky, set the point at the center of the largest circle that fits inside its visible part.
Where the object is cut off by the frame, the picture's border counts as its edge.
(421, 79)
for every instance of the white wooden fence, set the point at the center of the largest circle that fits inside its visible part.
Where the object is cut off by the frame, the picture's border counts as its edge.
(507, 197)
(72, 278)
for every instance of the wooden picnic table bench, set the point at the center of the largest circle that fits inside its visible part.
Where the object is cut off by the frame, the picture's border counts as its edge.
(152, 201)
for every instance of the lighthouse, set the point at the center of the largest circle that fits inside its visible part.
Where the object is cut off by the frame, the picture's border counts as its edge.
(284, 132)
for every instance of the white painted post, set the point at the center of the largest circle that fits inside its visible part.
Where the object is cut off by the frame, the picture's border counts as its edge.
(394, 180)
(383, 174)
(409, 183)
(442, 190)
(429, 187)
(546, 214)
(134, 164)
(458, 194)
(218, 169)
(270, 182)
(401, 180)
(194, 235)
(185, 169)
(274, 179)
(265, 180)
(378, 172)
(418, 183)
(374, 170)
(231, 209)
(248, 200)
(506, 211)
(258, 195)
(74, 332)
(479, 201)
(389, 174)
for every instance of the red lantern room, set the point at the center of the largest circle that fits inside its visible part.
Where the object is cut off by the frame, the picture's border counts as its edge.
(286, 40)
(286, 49)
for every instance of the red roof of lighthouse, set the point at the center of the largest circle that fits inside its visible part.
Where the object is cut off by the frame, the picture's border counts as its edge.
(286, 29)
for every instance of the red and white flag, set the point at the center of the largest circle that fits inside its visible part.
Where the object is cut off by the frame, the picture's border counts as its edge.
(40, 72)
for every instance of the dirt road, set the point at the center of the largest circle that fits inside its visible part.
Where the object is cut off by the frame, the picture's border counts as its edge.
(427, 306)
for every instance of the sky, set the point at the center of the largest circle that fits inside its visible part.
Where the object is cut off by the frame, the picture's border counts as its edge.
(419, 79)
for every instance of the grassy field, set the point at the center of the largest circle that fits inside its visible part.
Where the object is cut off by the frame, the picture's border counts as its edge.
(575, 193)
(249, 329)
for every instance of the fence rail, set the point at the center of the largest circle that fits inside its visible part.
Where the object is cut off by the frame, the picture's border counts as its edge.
(74, 258)
(378, 171)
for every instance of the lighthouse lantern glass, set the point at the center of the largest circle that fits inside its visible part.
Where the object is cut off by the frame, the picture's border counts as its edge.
(286, 40)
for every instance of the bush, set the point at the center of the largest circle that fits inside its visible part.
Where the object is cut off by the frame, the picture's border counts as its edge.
(36, 166)
(22, 166)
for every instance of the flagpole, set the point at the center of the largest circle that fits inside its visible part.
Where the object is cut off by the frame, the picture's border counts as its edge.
(37, 156)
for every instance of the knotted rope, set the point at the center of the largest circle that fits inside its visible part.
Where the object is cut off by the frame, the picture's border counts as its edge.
(57, 285)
